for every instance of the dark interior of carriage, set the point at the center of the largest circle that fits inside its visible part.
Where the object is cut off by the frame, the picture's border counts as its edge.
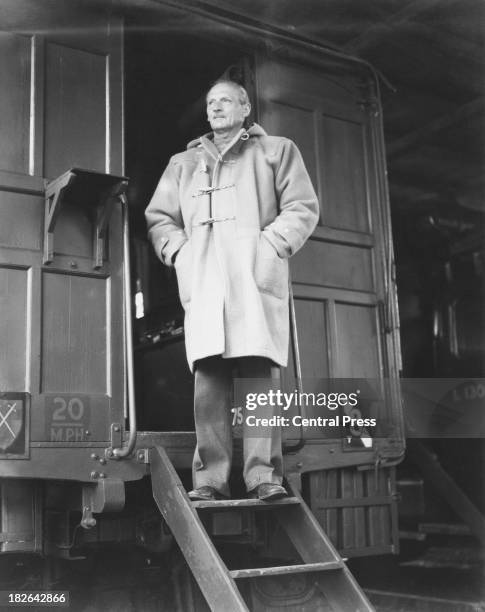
(165, 109)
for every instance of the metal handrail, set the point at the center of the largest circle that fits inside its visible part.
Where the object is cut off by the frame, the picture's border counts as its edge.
(293, 448)
(125, 451)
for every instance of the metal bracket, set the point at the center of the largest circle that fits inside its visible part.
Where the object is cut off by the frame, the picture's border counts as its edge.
(86, 188)
(385, 316)
(142, 455)
(54, 196)
(107, 495)
(116, 435)
(88, 521)
(103, 214)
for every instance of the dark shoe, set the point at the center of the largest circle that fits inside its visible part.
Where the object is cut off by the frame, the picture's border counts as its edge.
(205, 494)
(268, 491)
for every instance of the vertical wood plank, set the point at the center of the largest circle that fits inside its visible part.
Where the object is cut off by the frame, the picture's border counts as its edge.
(115, 146)
(75, 112)
(36, 163)
(358, 341)
(296, 123)
(344, 174)
(13, 328)
(22, 217)
(317, 128)
(347, 528)
(359, 513)
(311, 325)
(385, 511)
(313, 342)
(33, 347)
(374, 513)
(331, 491)
(333, 347)
(74, 334)
(15, 77)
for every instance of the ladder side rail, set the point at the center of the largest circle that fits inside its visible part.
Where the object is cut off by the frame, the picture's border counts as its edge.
(211, 574)
(312, 543)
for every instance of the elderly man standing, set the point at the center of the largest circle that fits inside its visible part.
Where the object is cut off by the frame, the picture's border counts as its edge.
(228, 213)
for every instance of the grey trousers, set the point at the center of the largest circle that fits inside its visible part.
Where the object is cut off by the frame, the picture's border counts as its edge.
(213, 400)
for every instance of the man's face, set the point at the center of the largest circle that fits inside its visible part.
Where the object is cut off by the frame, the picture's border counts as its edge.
(224, 110)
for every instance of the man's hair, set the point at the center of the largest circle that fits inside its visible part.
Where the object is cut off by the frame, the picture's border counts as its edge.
(243, 94)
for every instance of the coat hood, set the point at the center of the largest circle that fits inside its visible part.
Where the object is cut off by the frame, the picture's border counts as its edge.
(254, 130)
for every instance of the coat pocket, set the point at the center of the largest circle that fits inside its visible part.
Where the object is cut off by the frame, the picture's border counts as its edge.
(183, 268)
(271, 271)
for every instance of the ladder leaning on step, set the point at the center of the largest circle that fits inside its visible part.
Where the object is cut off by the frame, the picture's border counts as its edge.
(219, 584)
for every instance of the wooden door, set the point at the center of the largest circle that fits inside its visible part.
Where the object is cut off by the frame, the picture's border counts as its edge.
(340, 276)
(61, 336)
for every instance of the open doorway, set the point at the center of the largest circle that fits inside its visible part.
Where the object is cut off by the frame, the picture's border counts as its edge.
(166, 76)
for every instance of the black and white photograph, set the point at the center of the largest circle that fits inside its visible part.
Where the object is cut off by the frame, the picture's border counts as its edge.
(242, 305)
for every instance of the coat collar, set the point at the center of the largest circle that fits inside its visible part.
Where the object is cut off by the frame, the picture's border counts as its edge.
(207, 140)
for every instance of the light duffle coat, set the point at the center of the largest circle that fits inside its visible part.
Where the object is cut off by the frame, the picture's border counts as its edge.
(233, 219)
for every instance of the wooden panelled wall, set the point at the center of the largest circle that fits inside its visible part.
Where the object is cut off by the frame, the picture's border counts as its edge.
(338, 277)
(61, 324)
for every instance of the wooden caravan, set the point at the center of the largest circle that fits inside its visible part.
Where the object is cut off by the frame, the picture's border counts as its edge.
(95, 93)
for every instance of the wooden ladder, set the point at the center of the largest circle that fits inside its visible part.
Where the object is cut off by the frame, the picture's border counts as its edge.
(219, 584)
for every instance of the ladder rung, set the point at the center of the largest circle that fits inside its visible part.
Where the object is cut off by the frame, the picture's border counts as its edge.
(287, 569)
(234, 504)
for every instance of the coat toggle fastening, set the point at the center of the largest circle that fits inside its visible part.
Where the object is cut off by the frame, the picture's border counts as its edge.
(211, 221)
(205, 190)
